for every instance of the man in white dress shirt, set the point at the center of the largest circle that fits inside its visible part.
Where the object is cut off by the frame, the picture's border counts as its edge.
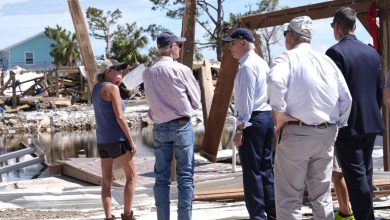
(311, 100)
(255, 130)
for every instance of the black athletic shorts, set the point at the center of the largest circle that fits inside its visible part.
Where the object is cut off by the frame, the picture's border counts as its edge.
(113, 150)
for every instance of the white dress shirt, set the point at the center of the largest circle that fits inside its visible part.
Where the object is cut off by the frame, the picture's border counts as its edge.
(309, 86)
(250, 87)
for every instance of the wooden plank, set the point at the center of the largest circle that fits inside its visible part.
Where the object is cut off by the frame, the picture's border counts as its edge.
(57, 85)
(20, 165)
(220, 104)
(89, 170)
(30, 100)
(68, 70)
(188, 31)
(206, 89)
(314, 11)
(16, 154)
(84, 42)
(237, 194)
(2, 76)
(14, 100)
(384, 18)
(5, 86)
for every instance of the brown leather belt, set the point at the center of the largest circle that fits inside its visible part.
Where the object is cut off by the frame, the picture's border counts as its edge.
(182, 120)
(300, 123)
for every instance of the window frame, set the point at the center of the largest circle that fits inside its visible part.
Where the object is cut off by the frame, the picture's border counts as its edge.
(25, 58)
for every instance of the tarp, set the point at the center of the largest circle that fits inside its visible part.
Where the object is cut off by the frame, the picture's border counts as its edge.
(134, 77)
(21, 77)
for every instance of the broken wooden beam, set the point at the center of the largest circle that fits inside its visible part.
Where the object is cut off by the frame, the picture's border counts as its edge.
(220, 104)
(84, 42)
(314, 11)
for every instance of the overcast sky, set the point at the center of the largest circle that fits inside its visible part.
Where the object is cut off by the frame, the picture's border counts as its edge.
(21, 19)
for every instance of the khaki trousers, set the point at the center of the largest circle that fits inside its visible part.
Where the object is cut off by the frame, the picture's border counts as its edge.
(304, 156)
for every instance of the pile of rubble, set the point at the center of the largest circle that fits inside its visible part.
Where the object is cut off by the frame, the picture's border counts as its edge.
(76, 117)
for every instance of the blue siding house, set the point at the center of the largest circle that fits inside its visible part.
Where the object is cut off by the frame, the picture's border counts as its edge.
(31, 54)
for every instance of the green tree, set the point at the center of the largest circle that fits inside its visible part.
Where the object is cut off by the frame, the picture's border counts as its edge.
(211, 18)
(66, 50)
(101, 25)
(126, 43)
(212, 22)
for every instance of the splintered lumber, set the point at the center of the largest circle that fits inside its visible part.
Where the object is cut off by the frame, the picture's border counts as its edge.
(219, 107)
(18, 108)
(225, 194)
(69, 70)
(58, 101)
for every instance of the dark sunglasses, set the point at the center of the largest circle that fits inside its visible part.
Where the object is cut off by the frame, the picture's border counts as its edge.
(180, 45)
(332, 24)
(285, 33)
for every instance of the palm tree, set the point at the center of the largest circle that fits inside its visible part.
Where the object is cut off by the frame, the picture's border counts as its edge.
(65, 50)
(126, 44)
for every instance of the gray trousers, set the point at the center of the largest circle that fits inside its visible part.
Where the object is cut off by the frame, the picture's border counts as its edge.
(304, 156)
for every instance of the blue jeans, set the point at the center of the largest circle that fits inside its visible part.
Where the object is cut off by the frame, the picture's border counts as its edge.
(174, 137)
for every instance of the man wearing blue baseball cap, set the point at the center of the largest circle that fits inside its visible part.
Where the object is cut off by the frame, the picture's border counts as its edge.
(172, 94)
(255, 127)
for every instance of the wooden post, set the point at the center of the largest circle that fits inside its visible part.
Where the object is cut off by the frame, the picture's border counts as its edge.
(14, 100)
(206, 89)
(188, 31)
(384, 18)
(84, 42)
(57, 85)
(2, 78)
(82, 89)
(220, 104)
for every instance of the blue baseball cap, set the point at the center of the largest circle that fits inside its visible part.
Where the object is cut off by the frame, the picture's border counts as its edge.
(167, 38)
(240, 33)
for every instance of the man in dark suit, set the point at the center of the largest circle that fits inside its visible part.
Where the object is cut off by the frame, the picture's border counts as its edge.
(360, 65)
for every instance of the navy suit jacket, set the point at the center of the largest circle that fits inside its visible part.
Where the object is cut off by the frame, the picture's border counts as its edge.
(361, 67)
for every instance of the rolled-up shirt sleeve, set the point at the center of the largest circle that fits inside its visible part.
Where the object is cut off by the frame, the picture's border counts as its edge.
(277, 83)
(244, 95)
(345, 100)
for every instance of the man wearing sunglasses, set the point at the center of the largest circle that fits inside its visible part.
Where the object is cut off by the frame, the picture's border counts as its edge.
(255, 129)
(172, 94)
(361, 67)
(310, 99)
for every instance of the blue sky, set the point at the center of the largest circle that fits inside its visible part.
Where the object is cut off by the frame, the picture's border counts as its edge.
(21, 19)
